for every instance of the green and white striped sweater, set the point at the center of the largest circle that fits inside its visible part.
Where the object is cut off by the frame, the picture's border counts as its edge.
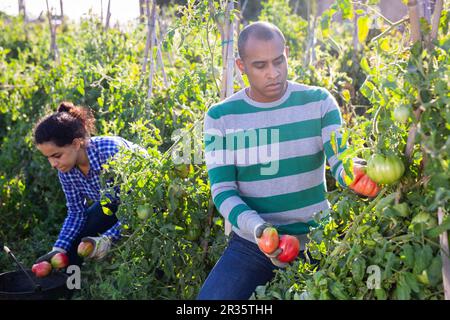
(266, 161)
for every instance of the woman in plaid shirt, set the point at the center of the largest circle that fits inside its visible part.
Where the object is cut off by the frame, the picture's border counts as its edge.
(64, 137)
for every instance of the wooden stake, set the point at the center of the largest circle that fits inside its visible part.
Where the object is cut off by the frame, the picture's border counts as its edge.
(426, 10)
(108, 15)
(413, 10)
(227, 36)
(238, 21)
(310, 52)
(62, 11)
(53, 47)
(228, 62)
(443, 239)
(436, 18)
(297, 5)
(160, 61)
(163, 31)
(355, 34)
(22, 10)
(150, 26)
(142, 11)
(228, 57)
(151, 39)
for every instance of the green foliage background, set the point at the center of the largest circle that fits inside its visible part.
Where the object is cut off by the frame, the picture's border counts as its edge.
(160, 258)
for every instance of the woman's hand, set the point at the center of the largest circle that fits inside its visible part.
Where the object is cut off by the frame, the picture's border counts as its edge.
(48, 256)
(101, 246)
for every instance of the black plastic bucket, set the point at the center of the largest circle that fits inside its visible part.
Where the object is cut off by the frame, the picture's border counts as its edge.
(16, 286)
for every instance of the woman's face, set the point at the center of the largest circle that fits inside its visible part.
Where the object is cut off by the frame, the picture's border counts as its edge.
(61, 158)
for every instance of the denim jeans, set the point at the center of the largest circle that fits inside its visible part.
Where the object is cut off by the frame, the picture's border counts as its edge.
(96, 224)
(238, 272)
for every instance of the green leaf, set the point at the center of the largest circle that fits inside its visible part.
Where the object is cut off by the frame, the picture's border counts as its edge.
(384, 45)
(402, 292)
(368, 89)
(365, 65)
(363, 24)
(344, 139)
(107, 211)
(407, 255)
(337, 289)
(434, 271)
(100, 101)
(346, 95)
(141, 183)
(333, 142)
(380, 294)
(436, 231)
(346, 8)
(422, 257)
(358, 269)
(384, 202)
(325, 25)
(411, 281)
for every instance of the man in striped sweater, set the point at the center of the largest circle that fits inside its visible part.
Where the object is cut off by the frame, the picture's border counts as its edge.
(265, 150)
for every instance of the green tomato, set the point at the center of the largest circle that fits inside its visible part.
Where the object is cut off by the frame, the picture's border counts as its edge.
(176, 189)
(423, 277)
(385, 170)
(183, 170)
(401, 114)
(193, 232)
(144, 211)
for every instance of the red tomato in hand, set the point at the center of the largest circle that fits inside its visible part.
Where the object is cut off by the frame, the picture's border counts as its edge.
(269, 240)
(59, 261)
(362, 184)
(85, 249)
(290, 246)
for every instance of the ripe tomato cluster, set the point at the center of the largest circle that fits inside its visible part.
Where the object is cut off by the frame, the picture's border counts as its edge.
(270, 241)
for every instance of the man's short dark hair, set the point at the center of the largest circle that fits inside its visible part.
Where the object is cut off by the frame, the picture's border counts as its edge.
(259, 30)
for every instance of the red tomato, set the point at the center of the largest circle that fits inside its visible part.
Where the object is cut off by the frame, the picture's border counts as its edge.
(85, 249)
(59, 261)
(363, 185)
(269, 240)
(42, 269)
(290, 246)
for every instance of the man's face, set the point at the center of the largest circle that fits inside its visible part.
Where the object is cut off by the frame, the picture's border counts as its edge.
(61, 158)
(265, 64)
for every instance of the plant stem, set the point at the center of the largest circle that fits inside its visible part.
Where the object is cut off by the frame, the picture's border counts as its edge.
(392, 26)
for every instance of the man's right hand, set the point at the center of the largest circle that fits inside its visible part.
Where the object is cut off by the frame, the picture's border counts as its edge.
(48, 256)
(267, 238)
(361, 183)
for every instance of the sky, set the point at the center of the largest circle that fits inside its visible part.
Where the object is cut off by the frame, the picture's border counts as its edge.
(121, 10)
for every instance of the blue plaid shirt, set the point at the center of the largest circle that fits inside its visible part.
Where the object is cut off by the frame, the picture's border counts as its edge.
(78, 188)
